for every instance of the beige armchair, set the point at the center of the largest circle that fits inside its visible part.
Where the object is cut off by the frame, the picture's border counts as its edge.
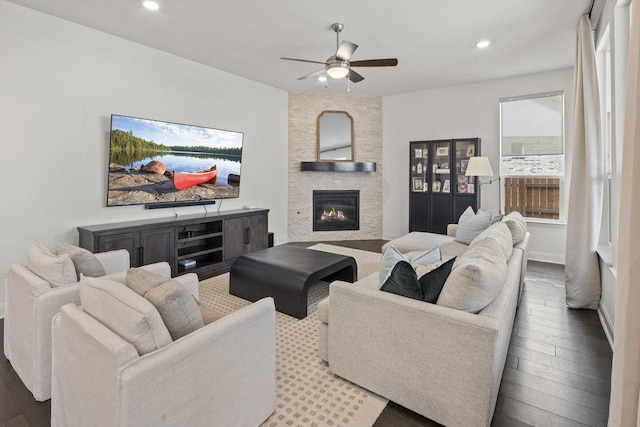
(31, 303)
(222, 374)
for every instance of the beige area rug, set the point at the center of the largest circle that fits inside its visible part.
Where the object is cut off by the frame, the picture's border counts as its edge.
(307, 394)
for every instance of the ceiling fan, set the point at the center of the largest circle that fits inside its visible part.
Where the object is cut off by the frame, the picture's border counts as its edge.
(339, 65)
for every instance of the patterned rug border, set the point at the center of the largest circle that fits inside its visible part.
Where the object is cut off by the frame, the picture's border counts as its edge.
(307, 394)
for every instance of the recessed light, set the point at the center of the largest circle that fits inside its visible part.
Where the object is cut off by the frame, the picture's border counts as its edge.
(483, 44)
(322, 78)
(151, 5)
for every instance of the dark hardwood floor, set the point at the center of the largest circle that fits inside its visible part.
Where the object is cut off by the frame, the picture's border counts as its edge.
(557, 372)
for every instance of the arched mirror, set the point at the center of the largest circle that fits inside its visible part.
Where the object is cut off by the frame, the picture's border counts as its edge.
(335, 136)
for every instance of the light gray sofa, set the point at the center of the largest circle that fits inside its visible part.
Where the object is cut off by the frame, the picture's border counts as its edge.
(440, 362)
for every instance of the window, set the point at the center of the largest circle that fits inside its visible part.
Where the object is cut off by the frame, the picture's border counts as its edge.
(532, 154)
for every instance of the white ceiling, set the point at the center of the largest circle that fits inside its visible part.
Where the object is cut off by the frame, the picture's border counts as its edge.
(434, 40)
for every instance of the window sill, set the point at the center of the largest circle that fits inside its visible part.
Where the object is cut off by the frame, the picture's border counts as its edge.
(546, 221)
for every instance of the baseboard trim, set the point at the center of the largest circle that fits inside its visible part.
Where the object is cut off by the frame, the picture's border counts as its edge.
(607, 325)
(545, 257)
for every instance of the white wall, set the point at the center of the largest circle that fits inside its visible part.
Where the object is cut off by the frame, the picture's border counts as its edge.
(59, 84)
(470, 110)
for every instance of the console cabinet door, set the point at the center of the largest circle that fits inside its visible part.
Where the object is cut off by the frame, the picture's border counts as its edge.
(128, 241)
(157, 246)
(233, 238)
(244, 235)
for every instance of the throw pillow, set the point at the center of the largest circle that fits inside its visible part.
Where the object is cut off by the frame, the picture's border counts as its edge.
(467, 214)
(517, 225)
(392, 256)
(476, 278)
(470, 227)
(432, 282)
(58, 270)
(141, 280)
(84, 261)
(177, 307)
(403, 281)
(124, 312)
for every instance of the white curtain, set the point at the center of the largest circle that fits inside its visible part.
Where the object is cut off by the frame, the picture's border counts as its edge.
(582, 273)
(625, 379)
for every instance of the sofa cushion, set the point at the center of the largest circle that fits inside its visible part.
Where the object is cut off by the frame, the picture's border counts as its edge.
(403, 281)
(432, 282)
(126, 313)
(84, 261)
(470, 226)
(476, 278)
(517, 225)
(58, 270)
(500, 235)
(453, 249)
(177, 307)
(392, 256)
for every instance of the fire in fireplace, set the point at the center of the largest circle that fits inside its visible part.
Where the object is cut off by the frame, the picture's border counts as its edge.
(336, 210)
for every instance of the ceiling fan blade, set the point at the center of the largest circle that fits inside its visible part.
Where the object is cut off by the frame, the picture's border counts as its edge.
(315, 73)
(354, 77)
(302, 60)
(388, 62)
(345, 50)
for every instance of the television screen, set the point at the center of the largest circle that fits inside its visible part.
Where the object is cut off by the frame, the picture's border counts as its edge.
(161, 163)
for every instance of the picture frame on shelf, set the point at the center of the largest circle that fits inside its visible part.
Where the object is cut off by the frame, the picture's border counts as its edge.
(442, 151)
(463, 184)
(417, 153)
(418, 185)
(463, 165)
(436, 186)
(471, 150)
(446, 187)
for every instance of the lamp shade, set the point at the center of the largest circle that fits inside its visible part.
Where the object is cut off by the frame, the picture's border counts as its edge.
(479, 166)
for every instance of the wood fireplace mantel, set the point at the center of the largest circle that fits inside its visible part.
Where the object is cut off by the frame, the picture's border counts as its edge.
(338, 166)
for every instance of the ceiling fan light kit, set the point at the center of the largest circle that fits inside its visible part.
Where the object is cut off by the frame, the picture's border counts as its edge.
(340, 65)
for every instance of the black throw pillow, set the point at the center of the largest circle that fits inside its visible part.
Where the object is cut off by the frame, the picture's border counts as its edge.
(432, 282)
(403, 281)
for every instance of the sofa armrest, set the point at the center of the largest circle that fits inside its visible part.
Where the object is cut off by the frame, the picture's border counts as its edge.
(452, 229)
(114, 261)
(427, 354)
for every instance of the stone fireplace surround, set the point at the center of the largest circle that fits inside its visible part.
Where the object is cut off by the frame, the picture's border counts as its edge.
(366, 111)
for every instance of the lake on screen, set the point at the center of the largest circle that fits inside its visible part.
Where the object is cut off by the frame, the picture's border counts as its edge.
(191, 163)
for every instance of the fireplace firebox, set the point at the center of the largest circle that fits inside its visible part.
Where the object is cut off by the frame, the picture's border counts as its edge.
(336, 210)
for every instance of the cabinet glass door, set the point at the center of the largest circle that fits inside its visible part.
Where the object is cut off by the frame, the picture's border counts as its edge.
(441, 174)
(419, 155)
(464, 151)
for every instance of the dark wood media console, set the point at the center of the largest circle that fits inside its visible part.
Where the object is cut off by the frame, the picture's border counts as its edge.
(213, 240)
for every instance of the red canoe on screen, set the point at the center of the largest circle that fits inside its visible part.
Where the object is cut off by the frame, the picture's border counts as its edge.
(183, 180)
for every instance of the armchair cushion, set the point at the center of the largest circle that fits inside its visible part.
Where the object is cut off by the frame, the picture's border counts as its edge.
(177, 307)
(84, 261)
(58, 270)
(137, 320)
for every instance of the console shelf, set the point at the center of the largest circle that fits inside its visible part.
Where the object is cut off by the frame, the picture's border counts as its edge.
(212, 240)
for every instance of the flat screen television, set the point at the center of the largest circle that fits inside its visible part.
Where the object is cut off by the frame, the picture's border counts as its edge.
(164, 164)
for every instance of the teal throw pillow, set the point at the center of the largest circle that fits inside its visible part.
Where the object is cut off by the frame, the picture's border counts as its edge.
(432, 282)
(403, 281)
(391, 257)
